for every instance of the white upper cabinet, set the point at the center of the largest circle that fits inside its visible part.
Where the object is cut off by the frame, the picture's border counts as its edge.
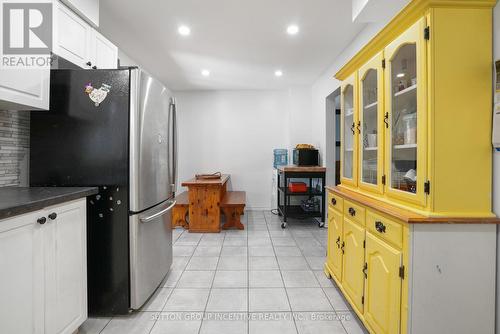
(81, 44)
(72, 37)
(88, 9)
(104, 54)
(23, 88)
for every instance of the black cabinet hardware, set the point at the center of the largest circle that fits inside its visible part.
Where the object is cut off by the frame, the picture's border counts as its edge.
(41, 220)
(352, 212)
(88, 63)
(53, 216)
(338, 242)
(379, 226)
(334, 201)
(386, 120)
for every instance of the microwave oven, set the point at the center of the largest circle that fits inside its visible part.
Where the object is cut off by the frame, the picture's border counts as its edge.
(306, 157)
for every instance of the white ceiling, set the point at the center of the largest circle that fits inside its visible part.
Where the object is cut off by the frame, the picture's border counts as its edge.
(241, 42)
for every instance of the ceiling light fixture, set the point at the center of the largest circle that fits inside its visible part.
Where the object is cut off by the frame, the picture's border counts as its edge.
(278, 73)
(184, 31)
(205, 73)
(400, 75)
(292, 29)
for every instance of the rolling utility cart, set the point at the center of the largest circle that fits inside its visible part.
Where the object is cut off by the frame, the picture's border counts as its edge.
(298, 207)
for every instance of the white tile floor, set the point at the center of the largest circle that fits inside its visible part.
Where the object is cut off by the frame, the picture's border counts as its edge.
(260, 280)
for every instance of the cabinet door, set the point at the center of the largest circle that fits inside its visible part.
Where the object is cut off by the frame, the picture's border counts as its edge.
(353, 262)
(383, 286)
(21, 278)
(85, 8)
(371, 117)
(334, 243)
(349, 130)
(23, 89)
(104, 54)
(65, 268)
(72, 37)
(406, 115)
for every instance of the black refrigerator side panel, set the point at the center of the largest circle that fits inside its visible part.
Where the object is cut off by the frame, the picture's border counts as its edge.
(77, 143)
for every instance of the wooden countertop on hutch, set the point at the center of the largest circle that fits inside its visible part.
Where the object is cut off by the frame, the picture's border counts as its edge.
(292, 168)
(406, 215)
(208, 182)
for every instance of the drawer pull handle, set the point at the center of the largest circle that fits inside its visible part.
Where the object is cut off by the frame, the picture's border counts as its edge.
(53, 216)
(41, 220)
(352, 212)
(379, 226)
(334, 201)
(342, 247)
(338, 242)
(365, 268)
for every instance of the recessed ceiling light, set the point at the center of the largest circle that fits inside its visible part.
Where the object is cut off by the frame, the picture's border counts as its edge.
(278, 73)
(292, 29)
(400, 75)
(184, 31)
(205, 73)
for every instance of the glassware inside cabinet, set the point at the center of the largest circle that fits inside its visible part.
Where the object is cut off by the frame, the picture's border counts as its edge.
(349, 128)
(404, 119)
(369, 135)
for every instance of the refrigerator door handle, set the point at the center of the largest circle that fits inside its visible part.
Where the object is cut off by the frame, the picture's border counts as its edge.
(158, 214)
(173, 143)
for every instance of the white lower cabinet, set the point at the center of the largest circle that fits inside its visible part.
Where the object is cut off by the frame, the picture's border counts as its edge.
(21, 275)
(43, 281)
(65, 268)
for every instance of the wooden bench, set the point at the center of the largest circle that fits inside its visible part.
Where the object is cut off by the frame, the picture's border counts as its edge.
(180, 210)
(233, 206)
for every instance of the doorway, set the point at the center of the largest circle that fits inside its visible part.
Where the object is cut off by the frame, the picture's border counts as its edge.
(333, 138)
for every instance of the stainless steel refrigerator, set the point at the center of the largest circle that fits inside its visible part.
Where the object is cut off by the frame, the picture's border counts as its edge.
(115, 129)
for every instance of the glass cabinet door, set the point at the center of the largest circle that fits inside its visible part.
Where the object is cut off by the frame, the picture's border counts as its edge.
(348, 132)
(405, 116)
(371, 130)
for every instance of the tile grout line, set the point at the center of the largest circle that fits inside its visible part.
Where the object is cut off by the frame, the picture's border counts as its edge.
(170, 294)
(322, 288)
(248, 279)
(178, 280)
(212, 283)
(282, 279)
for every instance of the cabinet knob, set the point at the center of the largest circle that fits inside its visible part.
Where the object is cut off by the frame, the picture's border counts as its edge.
(334, 201)
(53, 216)
(41, 220)
(94, 67)
(88, 63)
(379, 226)
(352, 212)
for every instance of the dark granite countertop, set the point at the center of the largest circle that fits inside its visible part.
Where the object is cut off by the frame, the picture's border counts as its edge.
(19, 200)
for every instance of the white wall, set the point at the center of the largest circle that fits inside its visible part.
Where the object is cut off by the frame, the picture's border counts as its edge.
(235, 132)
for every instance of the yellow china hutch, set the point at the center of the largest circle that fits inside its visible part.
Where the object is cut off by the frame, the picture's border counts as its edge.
(411, 233)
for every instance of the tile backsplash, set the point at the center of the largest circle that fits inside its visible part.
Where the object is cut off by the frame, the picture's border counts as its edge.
(14, 147)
